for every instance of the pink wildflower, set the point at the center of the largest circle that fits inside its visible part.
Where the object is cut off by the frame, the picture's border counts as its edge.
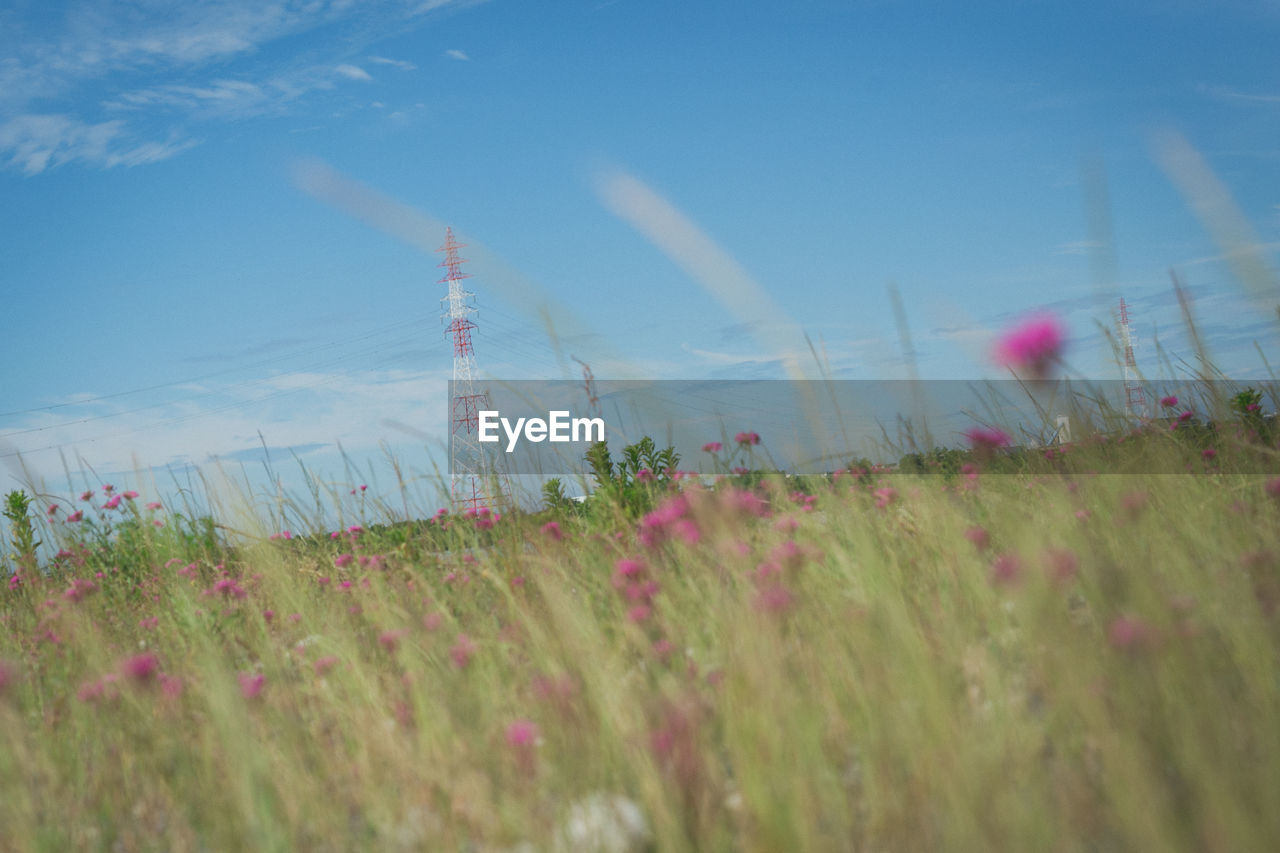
(521, 733)
(630, 568)
(983, 439)
(979, 537)
(1006, 569)
(1186, 416)
(108, 489)
(76, 516)
(773, 598)
(251, 684)
(112, 503)
(639, 613)
(170, 686)
(324, 664)
(1169, 402)
(746, 438)
(343, 560)
(390, 640)
(644, 475)
(552, 531)
(86, 496)
(130, 495)
(462, 652)
(1127, 632)
(140, 668)
(1208, 453)
(1273, 488)
(1032, 347)
(155, 505)
(885, 496)
(713, 447)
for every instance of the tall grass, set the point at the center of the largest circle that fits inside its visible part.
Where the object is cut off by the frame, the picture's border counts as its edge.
(1046, 660)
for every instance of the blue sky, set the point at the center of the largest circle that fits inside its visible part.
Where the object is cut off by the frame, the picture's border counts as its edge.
(214, 213)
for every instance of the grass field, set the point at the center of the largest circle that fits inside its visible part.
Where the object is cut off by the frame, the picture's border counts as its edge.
(1043, 660)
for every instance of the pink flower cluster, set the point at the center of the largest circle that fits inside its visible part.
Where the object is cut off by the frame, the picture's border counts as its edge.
(1032, 347)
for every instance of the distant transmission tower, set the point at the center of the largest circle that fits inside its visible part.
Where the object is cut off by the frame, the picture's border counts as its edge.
(472, 473)
(1135, 398)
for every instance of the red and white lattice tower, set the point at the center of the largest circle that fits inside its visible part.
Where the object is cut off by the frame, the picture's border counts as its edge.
(471, 472)
(1135, 398)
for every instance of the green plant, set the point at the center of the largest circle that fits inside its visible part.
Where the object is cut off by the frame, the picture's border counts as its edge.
(642, 471)
(22, 533)
(553, 495)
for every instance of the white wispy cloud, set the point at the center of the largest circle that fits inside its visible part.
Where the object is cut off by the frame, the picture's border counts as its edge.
(74, 95)
(34, 142)
(1227, 93)
(402, 64)
(354, 72)
(457, 54)
(1077, 247)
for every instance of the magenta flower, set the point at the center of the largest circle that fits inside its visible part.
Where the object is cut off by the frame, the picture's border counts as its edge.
(522, 733)
(1169, 402)
(1208, 453)
(713, 447)
(251, 684)
(552, 531)
(86, 496)
(1006, 569)
(112, 503)
(747, 438)
(885, 496)
(1031, 347)
(979, 537)
(390, 640)
(772, 597)
(984, 439)
(462, 652)
(140, 668)
(108, 489)
(343, 560)
(130, 495)
(76, 516)
(630, 569)
(1127, 632)
(154, 505)
(170, 686)
(1186, 416)
(324, 664)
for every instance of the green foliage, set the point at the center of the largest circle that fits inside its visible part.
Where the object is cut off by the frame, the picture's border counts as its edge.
(946, 461)
(22, 533)
(553, 495)
(641, 473)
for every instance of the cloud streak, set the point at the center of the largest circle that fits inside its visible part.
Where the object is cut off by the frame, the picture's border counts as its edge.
(73, 95)
(34, 142)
